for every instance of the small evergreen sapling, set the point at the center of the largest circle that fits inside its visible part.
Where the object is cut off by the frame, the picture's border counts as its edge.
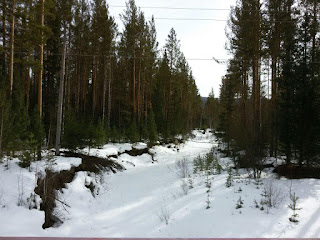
(208, 186)
(293, 206)
(190, 181)
(229, 178)
(239, 203)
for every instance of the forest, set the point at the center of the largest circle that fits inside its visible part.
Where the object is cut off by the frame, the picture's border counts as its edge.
(70, 78)
(270, 97)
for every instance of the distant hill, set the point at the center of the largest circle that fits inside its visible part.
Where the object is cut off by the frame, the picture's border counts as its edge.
(204, 100)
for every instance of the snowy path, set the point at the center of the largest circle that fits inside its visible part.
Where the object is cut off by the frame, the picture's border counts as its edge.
(129, 203)
(132, 202)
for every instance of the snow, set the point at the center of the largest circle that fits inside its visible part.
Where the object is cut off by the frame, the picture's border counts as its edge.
(131, 203)
(128, 161)
(140, 146)
(60, 163)
(112, 149)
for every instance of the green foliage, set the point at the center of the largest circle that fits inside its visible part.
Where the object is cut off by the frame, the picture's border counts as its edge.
(209, 163)
(208, 186)
(293, 206)
(80, 134)
(211, 112)
(133, 134)
(95, 135)
(114, 135)
(190, 181)
(74, 133)
(152, 128)
(26, 159)
(239, 203)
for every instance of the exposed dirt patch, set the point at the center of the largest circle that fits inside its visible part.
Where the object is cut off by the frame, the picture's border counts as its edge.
(137, 152)
(48, 186)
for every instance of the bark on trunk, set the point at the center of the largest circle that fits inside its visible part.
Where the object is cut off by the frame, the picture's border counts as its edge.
(109, 95)
(41, 61)
(1, 130)
(104, 90)
(4, 42)
(12, 46)
(134, 86)
(60, 101)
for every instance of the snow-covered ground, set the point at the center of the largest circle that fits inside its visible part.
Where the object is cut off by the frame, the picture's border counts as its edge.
(136, 202)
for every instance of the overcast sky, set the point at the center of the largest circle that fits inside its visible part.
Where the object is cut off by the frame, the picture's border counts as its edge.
(199, 39)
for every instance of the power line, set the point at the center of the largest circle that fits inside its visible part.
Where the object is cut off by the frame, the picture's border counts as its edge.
(190, 19)
(117, 56)
(177, 8)
(262, 10)
(215, 20)
(219, 61)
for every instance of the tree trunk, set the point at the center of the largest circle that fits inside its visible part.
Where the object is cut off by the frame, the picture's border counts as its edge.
(84, 85)
(109, 94)
(104, 90)
(139, 98)
(28, 83)
(274, 57)
(134, 85)
(79, 82)
(256, 80)
(4, 43)
(61, 88)
(67, 75)
(41, 61)
(94, 85)
(12, 46)
(314, 32)
(1, 129)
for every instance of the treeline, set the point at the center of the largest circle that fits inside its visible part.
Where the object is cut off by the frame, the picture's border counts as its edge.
(270, 96)
(67, 70)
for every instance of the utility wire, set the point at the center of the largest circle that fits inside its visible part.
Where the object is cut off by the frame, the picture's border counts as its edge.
(177, 8)
(219, 61)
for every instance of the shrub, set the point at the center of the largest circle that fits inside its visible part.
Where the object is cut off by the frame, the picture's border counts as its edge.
(164, 214)
(272, 195)
(182, 168)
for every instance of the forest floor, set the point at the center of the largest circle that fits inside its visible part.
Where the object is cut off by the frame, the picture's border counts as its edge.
(149, 199)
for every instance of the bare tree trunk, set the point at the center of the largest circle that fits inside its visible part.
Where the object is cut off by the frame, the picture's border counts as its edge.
(134, 85)
(139, 86)
(315, 13)
(274, 57)
(256, 81)
(60, 101)
(104, 90)
(41, 61)
(67, 75)
(12, 46)
(28, 83)
(79, 82)
(4, 43)
(94, 85)
(1, 129)
(109, 95)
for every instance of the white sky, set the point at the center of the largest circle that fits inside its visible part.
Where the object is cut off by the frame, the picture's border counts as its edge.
(199, 39)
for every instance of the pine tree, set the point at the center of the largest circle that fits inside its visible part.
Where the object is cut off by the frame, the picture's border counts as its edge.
(287, 83)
